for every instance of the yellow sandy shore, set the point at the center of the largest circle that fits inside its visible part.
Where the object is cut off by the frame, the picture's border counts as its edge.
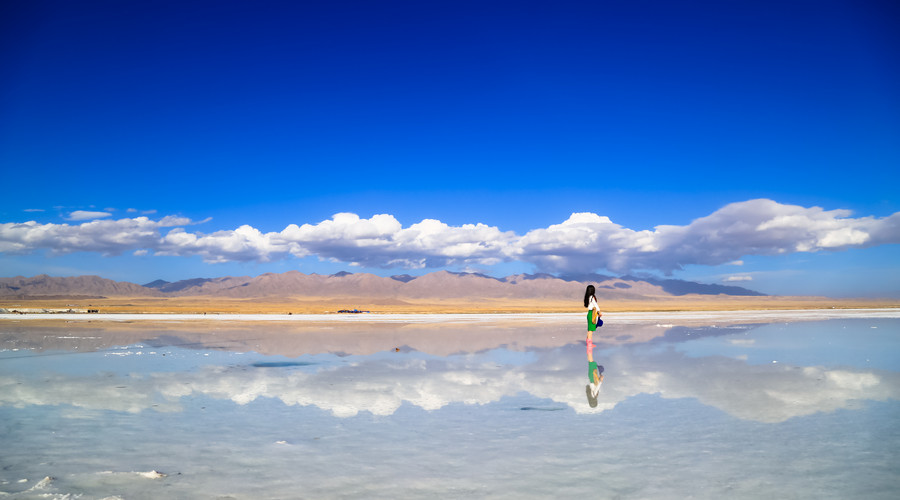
(307, 305)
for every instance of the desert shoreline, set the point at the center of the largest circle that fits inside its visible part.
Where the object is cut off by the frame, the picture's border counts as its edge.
(277, 306)
(634, 317)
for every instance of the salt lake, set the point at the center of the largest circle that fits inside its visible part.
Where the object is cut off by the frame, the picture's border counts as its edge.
(793, 404)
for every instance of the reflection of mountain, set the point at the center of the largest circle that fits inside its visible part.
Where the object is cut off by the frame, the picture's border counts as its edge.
(437, 285)
(168, 287)
(381, 383)
(681, 287)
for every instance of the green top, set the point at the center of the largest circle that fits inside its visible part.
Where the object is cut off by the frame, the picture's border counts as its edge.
(591, 367)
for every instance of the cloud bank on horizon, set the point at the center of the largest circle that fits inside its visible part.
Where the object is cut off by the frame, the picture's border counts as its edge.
(585, 242)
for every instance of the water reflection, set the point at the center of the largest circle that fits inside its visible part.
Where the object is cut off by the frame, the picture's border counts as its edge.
(595, 374)
(483, 409)
(159, 378)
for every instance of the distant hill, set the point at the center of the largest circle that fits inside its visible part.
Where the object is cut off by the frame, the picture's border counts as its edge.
(436, 285)
(93, 286)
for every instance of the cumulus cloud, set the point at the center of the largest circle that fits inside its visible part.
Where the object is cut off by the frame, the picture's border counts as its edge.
(383, 242)
(754, 227)
(583, 242)
(110, 237)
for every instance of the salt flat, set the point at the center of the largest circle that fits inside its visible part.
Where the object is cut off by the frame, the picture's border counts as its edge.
(748, 404)
(675, 317)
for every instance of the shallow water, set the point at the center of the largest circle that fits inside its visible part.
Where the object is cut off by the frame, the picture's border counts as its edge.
(785, 409)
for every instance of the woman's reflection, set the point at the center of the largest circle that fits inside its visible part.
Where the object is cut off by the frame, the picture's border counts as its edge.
(595, 374)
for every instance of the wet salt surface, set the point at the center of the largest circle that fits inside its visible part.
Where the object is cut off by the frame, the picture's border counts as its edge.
(783, 409)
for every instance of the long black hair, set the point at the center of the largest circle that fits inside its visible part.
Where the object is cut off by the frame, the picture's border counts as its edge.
(588, 294)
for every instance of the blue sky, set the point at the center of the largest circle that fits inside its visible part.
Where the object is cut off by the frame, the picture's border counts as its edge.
(749, 143)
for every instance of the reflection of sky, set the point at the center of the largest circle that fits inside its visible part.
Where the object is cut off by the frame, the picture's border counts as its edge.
(684, 415)
(134, 359)
(859, 343)
(819, 367)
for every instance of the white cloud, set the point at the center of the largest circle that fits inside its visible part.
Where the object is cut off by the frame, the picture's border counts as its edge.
(754, 227)
(583, 242)
(87, 215)
(738, 278)
(34, 210)
(383, 242)
(104, 236)
(245, 243)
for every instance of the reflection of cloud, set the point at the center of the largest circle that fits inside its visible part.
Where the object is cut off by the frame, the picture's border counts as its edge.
(371, 386)
(764, 393)
(129, 394)
(584, 241)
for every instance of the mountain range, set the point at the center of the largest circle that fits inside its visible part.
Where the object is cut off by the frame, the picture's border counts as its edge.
(436, 285)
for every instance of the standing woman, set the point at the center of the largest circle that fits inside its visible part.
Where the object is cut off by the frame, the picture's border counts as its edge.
(593, 315)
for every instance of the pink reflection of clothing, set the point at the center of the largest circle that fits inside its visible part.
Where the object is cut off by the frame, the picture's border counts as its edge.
(590, 345)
